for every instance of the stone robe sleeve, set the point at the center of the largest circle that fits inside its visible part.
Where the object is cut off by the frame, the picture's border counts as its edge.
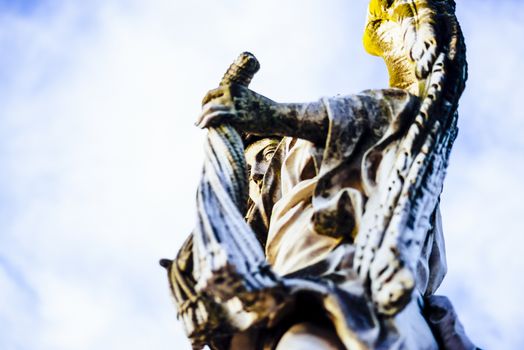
(328, 184)
(313, 197)
(363, 131)
(360, 126)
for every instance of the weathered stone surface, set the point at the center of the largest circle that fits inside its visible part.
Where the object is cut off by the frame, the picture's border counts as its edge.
(330, 232)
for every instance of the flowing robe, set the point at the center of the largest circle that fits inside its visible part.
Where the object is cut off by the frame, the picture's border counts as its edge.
(312, 202)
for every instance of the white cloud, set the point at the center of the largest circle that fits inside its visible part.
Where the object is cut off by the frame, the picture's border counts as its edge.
(100, 159)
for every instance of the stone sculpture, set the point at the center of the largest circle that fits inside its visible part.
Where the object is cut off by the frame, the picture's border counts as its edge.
(335, 242)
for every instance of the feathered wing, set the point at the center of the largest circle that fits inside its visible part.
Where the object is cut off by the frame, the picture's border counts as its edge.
(426, 45)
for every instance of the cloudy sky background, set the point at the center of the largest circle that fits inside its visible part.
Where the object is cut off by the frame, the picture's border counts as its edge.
(99, 159)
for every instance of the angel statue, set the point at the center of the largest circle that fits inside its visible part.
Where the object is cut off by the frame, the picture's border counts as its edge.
(318, 223)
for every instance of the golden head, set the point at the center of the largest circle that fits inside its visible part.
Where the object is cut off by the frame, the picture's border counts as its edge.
(393, 29)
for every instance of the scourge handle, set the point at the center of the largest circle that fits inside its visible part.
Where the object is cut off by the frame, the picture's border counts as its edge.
(242, 70)
(220, 279)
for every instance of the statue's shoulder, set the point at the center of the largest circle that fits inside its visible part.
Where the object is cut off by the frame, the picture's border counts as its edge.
(389, 103)
(388, 94)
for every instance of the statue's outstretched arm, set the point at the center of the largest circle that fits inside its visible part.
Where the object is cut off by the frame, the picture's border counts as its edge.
(250, 112)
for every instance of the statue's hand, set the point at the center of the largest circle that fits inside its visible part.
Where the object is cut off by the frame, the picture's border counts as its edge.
(424, 49)
(419, 27)
(416, 30)
(391, 281)
(238, 106)
(217, 107)
(434, 30)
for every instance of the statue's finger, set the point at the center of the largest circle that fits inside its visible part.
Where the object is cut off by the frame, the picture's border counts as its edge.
(394, 295)
(425, 62)
(362, 260)
(213, 94)
(383, 267)
(214, 107)
(424, 53)
(208, 109)
(215, 118)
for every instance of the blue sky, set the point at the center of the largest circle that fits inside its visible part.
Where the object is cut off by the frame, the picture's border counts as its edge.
(100, 160)
(22, 7)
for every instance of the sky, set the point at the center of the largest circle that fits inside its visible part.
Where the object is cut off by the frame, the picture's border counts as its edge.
(99, 158)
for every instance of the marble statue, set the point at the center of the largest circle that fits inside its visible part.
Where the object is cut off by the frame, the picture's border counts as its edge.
(318, 223)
